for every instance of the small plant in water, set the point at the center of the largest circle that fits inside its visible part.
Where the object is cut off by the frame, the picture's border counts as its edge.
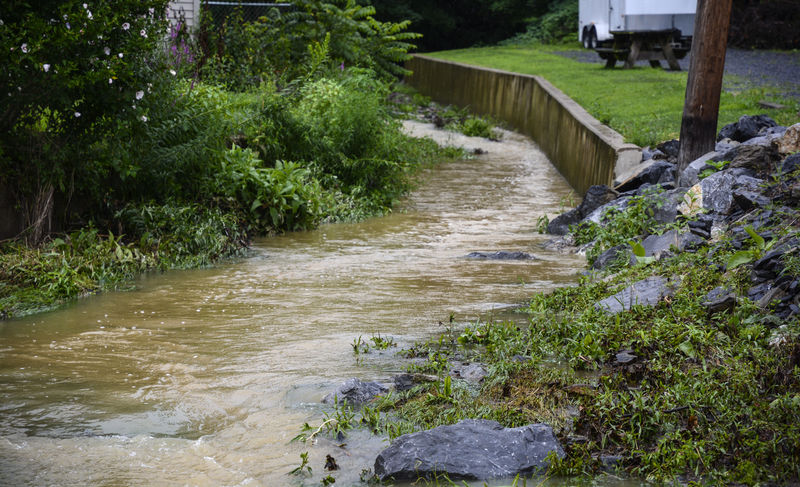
(304, 468)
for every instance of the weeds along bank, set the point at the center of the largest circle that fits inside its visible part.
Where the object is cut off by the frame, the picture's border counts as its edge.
(122, 155)
(676, 357)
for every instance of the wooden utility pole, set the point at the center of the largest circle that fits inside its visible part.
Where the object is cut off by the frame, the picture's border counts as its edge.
(701, 108)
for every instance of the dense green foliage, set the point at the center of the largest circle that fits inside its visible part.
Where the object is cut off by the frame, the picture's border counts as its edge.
(558, 24)
(645, 105)
(463, 23)
(174, 157)
(283, 44)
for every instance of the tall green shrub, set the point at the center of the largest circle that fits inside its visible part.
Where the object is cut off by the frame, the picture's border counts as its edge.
(71, 72)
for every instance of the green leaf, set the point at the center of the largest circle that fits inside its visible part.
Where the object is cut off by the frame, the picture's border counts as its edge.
(739, 258)
(638, 249)
(758, 239)
(687, 348)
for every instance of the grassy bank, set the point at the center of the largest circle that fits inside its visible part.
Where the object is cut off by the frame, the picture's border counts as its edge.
(682, 391)
(643, 104)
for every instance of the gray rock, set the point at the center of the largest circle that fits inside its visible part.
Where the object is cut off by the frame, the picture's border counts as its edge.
(655, 173)
(614, 254)
(759, 158)
(596, 196)
(725, 145)
(718, 193)
(670, 148)
(354, 392)
(624, 357)
(747, 200)
(560, 224)
(791, 164)
(719, 299)
(660, 246)
(746, 128)
(470, 372)
(689, 176)
(597, 215)
(609, 463)
(647, 292)
(471, 449)
(500, 255)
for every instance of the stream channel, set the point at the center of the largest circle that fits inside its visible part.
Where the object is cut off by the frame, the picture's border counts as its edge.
(203, 377)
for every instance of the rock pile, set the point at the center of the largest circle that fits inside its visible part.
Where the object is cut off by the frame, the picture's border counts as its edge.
(745, 189)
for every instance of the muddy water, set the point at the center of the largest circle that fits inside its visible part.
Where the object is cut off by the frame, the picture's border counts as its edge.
(203, 377)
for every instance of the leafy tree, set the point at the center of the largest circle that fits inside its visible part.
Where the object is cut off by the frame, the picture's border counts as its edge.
(72, 71)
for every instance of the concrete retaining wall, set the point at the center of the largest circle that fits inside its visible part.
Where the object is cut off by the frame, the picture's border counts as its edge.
(585, 151)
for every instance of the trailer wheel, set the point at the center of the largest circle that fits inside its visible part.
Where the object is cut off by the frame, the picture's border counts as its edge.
(585, 38)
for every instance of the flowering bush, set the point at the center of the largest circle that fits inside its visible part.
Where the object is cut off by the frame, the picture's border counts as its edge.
(72, 71)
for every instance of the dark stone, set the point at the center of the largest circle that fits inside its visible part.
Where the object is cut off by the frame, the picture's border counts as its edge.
(624, 357)
(354, 392)
(470, 372)
(747, 200)
(404, 382)
(647, 292)
(597, 215)
(609, 463)
(746, 128)
(648, 153)
(501, 255)
(655, 173)
(614, 254)
(759, 158)
(725, 145)
(755, 293)
(560, 224)
(791, 164)
(670, 148)
(596, 196)
(470, 449)
(719, 299)
(718, 193)
(659, 246)
(689, 176)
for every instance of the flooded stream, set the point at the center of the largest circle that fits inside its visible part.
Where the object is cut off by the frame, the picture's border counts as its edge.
(203, 377)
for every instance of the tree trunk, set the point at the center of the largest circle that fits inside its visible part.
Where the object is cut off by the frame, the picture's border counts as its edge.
(701, 108)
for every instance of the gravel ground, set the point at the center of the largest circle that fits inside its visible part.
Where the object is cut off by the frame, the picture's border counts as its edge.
(758, 68)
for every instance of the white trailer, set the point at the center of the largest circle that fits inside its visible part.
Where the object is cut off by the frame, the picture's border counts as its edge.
(613, 27)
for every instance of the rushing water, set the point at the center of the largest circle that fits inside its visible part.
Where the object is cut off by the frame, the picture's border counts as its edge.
(203, 377)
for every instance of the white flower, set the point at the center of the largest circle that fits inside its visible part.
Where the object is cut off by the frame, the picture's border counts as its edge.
(139, 95)
(144, 119)
(120, 55)
(110, 81)
(126, 26)
(24, 48)
(85, 6)
(89, 14)
(68, 26)
(143, 33)
(46, 67)
(107, 50)
(77, 114)
(172, 72)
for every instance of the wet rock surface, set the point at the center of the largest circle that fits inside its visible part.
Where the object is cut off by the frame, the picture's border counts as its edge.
(750, 183)
(647, 292)
(470, 449)
(354, 392)
(500, 255)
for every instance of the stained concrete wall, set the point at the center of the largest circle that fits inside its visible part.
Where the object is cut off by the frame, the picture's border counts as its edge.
(584, 151)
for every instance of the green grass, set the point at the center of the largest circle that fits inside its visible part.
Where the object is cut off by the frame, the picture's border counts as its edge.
(644, 104)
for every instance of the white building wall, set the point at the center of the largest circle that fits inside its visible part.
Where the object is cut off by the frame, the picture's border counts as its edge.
(189, 8)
